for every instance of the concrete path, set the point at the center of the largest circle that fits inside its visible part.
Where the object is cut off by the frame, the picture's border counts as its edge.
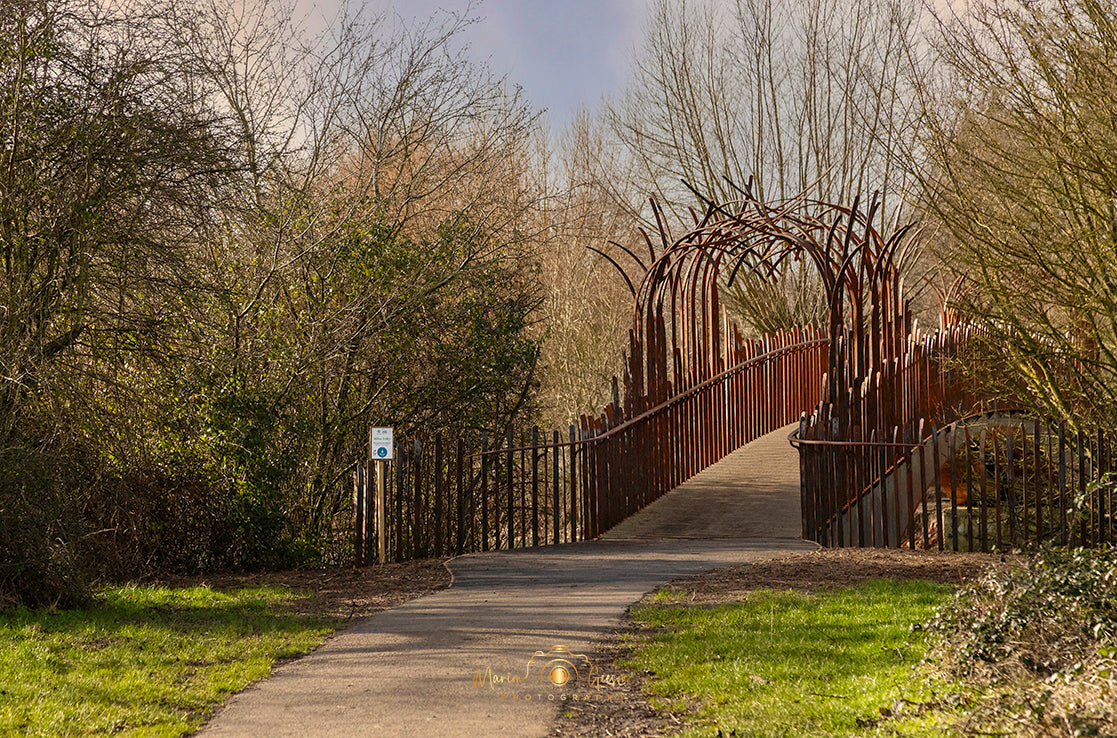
(473, 660)
(752, 493)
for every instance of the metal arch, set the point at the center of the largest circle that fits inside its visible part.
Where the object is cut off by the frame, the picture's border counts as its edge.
(677, 338)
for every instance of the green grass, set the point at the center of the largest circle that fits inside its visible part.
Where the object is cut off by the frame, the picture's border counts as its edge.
(787, 663)
(144, 660)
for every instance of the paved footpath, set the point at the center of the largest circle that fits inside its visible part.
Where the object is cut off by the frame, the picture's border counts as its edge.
(434, 665)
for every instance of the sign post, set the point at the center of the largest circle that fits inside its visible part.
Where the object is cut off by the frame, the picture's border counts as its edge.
(380, 450)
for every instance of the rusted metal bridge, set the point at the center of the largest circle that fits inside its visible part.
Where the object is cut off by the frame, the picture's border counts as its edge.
(884, 457)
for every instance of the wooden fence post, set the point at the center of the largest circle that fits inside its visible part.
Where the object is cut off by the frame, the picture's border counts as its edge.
(381, 516)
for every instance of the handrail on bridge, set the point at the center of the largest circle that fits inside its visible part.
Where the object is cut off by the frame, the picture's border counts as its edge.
(675, 399)
(553, 490)
(996, 480)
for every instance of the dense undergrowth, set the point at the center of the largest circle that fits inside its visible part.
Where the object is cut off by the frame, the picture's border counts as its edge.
(1029, 649)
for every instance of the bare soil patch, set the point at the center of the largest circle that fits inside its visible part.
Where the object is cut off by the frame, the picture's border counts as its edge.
(628, 713)
(339, 592)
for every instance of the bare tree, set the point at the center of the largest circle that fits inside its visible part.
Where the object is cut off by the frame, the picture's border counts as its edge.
(107, 160)
(588, 310)
(376, 270)
(789, 95)
(780, 96)
(1021, 184)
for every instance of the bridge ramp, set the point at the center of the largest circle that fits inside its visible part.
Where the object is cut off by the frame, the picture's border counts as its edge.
(752, 493)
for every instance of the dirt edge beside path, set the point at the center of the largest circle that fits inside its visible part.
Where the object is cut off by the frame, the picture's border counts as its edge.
(342, 592)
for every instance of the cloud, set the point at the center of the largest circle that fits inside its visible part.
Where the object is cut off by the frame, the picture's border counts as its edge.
(564, 54)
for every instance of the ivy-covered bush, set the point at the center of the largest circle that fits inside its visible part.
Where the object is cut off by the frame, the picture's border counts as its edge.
(1030, 647)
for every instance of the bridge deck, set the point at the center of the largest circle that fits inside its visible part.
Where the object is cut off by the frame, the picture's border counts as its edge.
(752, 493)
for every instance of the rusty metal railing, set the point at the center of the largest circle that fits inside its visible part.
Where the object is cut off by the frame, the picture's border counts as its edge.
(453, 497)
(634, 462)
(990, 482)
(847, 446)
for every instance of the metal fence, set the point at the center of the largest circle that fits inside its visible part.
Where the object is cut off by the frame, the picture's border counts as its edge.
(849, 441)
(990, 482)
(513, 490)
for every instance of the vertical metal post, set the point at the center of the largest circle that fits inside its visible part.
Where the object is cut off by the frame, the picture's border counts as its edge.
(523, 491)
(936, 463)
(573, 481)
(984, 501)
(1104, 514)
(922, 488)
(555, 502)
(399, 524)
(1039, 487)
(1083, 515)
(968, 468)
(1063, 525)
(460, 548)
(1010, 472)
(509, 462)
(485, 491)
(535, 486)
(439, 495)
(381, 535)
(997, 487)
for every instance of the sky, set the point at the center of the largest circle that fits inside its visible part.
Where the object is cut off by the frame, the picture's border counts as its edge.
(566, 54)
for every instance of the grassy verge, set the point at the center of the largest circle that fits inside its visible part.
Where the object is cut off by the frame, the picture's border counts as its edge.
(787, 663)
(144, 660)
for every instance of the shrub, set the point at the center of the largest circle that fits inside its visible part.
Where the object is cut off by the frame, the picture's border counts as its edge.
(70, 520)
(1032, 644)
(38, 526)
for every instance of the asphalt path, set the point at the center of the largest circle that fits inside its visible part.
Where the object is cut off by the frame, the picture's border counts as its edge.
(511, 640)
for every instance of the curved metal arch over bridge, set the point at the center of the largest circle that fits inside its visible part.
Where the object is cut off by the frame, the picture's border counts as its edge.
(678, 328)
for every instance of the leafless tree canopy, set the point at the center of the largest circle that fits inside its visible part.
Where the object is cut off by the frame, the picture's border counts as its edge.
(789, 94)
(1020, 184)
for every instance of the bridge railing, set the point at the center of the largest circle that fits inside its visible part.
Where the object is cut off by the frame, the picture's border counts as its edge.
(513, 490)
(631, 463)
(993, 481)
(849, 442)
